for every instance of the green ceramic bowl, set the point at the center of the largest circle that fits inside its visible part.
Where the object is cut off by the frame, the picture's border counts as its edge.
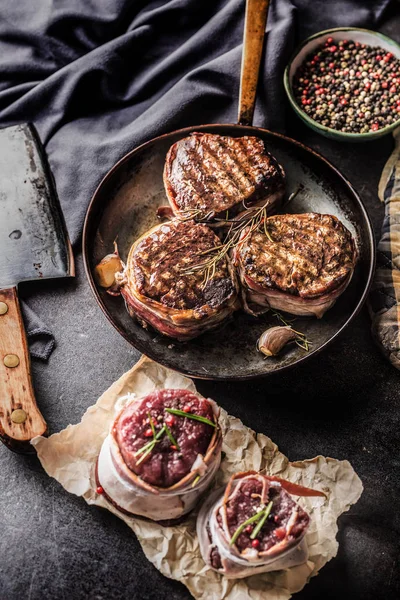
(364, 36)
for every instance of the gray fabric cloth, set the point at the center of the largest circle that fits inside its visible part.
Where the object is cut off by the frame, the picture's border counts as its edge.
(41, 340)
(99, 77)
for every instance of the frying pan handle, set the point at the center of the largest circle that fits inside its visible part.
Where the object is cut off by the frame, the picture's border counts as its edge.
(253, 39)
(20, 419)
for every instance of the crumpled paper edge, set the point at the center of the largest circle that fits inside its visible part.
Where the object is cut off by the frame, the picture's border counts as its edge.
(70, 457)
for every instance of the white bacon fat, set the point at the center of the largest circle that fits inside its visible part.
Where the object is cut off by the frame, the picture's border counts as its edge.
(281, 542)
(132, 494)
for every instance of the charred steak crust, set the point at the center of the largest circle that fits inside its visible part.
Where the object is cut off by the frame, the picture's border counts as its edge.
(160, 287)
(212, 174)
(306, 255)
(165, 465)
(161, 259)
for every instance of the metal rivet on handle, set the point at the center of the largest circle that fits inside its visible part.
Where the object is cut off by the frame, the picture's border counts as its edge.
(11, 360)
(3, 308)
(18, 416)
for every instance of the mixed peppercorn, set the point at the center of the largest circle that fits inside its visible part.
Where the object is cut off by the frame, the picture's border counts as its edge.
(349, 86)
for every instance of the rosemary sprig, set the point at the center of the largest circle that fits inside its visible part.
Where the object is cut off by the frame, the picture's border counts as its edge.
(267, 233)
(152, 424)
(233, 237)
(301, 339)
(260, 523)
(147, 448)
(194, 213)
(171, 437)
(188, 214)
(249, 521)
(181, 413)
(148, 451)
(196, 479)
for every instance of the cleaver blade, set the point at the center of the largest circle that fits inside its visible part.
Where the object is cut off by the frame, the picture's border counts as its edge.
(33, 239)
(33, 245)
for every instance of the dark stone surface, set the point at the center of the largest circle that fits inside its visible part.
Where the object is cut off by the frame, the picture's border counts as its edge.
(345, 404)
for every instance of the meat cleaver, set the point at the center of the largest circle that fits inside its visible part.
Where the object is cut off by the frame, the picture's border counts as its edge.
(33, 245)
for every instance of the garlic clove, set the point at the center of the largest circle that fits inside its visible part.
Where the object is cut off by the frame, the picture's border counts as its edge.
(274, 339)
(107, 268)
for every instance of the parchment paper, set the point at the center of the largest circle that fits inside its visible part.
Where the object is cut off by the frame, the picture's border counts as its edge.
(70, 456)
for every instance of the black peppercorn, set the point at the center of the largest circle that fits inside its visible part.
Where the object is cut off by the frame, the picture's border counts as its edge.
(349, 86)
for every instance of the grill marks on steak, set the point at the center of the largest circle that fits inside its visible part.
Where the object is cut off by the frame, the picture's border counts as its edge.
(160, 287)
(304, 255)
(213, 174)
(161, 259)
(164, 466)
(300, 264)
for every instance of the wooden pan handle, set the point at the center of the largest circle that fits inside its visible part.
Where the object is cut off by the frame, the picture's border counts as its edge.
(254, 30)
(20, 419)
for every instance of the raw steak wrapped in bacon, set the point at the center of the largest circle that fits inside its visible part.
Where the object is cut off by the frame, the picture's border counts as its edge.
(161, 454)
(254, 526)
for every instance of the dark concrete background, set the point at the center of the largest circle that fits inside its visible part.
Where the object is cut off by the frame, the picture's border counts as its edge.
(344, 404)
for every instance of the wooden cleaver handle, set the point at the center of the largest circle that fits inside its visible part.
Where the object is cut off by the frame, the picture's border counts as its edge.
(20, 419)
(253, 41)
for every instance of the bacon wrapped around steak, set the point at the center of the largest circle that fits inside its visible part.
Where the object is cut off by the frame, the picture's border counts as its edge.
(254, 526)
(298, 263)
(161, 454)
(162, 288)
(208, 175)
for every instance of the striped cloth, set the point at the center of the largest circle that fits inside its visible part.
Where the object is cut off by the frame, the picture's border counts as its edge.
(384, 299)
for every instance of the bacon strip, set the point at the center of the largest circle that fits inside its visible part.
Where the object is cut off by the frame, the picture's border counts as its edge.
(280, 537)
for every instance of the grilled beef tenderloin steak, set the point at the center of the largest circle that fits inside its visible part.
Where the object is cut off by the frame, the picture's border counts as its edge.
(156, 464)
(236, 544)
(166, 464)
(206, 175)
(298, 263)
(160, 289)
